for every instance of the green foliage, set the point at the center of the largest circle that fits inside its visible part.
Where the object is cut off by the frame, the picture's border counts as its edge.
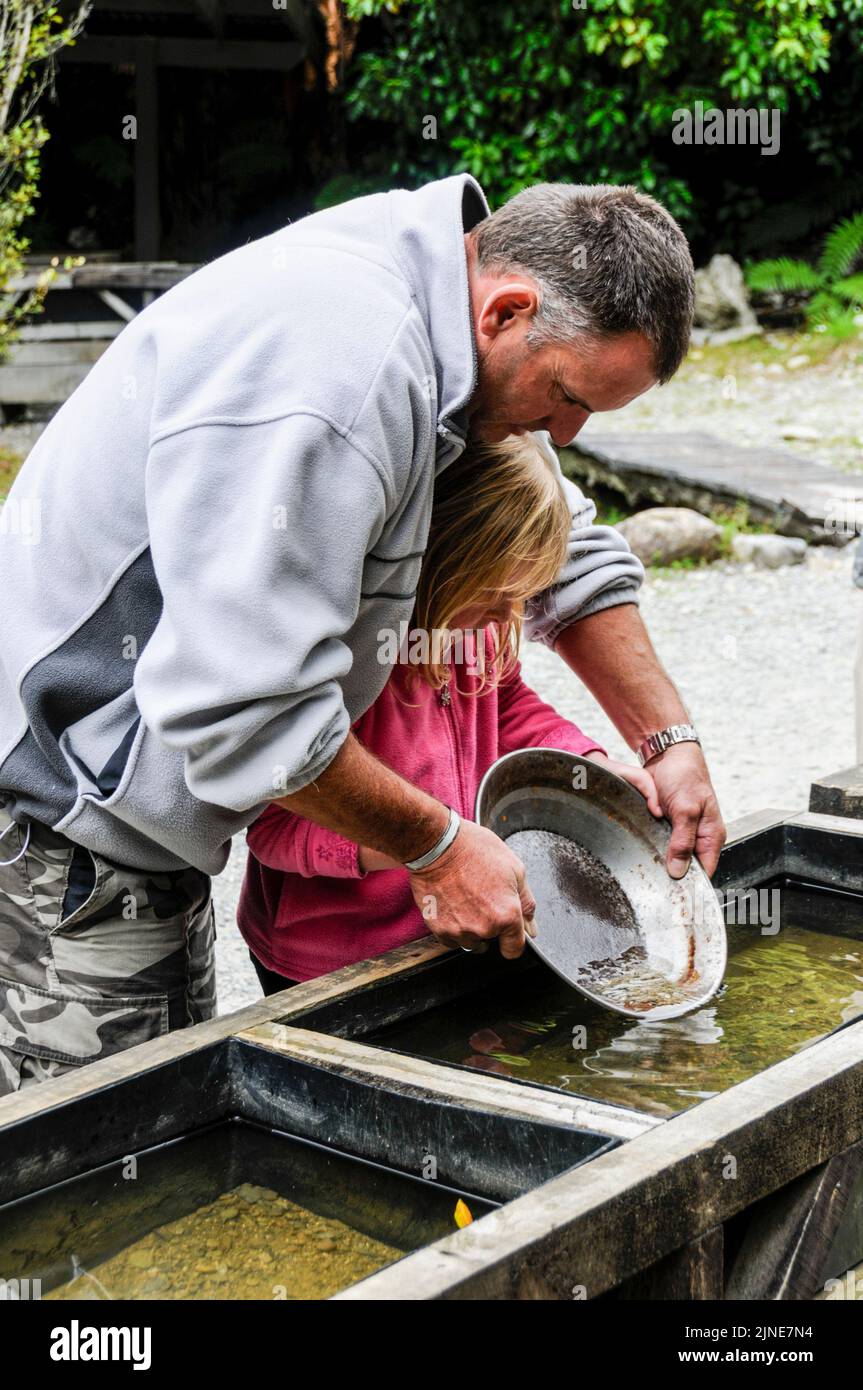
(31, 32)
(782, 273)
(835, 295)
(549, 89)
(10, 462)
(735, 521)
(842, 248)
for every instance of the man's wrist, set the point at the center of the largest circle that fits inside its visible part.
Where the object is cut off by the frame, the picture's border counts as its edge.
(440, 846)
(657, 743)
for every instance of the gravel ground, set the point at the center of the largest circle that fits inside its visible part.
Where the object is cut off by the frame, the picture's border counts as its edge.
(763, 660)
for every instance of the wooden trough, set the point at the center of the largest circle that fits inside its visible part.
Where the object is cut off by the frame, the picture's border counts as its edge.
(754, 1193)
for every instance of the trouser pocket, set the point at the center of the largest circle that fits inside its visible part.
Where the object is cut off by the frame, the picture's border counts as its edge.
(96, 957)
(44, 1032)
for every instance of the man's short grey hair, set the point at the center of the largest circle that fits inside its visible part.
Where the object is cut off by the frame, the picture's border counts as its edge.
(607, 260)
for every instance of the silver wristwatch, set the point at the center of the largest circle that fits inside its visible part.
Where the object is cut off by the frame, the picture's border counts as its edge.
(657, 743)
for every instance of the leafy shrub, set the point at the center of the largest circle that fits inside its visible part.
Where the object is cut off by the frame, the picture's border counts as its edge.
(544, 90)
(31, 33)
(834, 293)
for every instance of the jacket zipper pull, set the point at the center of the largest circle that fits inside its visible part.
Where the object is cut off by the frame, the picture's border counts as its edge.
(445, 697)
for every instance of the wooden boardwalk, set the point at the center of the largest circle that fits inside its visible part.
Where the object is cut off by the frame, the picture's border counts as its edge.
(791, 494)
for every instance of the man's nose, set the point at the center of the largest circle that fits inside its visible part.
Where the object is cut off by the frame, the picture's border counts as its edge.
(566, 424)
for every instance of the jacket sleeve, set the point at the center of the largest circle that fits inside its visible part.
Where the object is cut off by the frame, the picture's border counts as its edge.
(294, 845)
(526, 721)
(258, 536)
(600, 569)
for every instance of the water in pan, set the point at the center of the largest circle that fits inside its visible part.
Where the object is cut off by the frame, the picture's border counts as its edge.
(781, 992)
(590, 926)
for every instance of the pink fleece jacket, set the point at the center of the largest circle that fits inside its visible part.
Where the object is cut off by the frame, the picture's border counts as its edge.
(306, 907)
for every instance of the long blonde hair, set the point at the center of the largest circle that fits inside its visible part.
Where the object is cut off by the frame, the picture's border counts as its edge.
(500, 525)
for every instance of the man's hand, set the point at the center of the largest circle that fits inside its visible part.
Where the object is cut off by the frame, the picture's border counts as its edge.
(475, 892)
(687, 798)
(611, 653)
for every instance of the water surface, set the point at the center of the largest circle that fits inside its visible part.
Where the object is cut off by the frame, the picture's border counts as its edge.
(781, 992)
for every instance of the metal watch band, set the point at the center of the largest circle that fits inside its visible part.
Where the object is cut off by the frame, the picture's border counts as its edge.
(658, 742)
(437, 850)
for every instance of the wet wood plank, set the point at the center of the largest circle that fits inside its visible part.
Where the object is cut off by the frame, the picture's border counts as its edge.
(785, 1249)
(470, 1088)
(839, 793)
(695, 1271)
(352, 979)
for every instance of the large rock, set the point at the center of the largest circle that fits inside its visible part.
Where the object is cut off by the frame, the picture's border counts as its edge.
(721, 302)
(659, 535)
(769, 552)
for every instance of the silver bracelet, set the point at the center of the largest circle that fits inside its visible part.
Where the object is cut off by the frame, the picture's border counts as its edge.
(657, 743)
(437, 850)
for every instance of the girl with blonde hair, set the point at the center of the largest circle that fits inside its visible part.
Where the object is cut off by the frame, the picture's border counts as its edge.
(312, 901)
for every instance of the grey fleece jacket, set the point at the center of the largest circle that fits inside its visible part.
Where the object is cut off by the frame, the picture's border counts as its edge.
(230, 508)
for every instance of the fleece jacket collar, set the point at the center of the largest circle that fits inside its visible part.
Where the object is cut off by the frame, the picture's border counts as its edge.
(428, 239)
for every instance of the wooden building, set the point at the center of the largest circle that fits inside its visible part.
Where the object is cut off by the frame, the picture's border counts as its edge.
(162, 44)
(178, 130)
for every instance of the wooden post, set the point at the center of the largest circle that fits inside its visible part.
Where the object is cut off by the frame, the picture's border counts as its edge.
(839, 794)
(147, 216)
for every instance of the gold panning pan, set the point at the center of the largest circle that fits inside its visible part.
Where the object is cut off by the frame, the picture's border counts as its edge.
(610, 921)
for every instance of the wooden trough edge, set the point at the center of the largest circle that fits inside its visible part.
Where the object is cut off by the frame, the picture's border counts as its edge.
(469, 1088)
(183, 1042)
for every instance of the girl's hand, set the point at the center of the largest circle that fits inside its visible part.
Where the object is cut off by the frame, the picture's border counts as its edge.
(638, 776)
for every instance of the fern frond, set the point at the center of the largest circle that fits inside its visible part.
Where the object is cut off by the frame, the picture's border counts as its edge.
(783, 274)
(823, 309)
(842, 247)
(851, 289)
(843, 326)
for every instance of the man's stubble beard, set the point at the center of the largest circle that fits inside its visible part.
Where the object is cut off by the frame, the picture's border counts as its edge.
(482, 415)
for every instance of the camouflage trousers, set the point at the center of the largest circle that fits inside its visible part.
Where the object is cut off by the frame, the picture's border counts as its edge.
(94, 957)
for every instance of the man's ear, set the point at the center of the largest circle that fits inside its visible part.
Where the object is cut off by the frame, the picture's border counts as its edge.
(509, 304)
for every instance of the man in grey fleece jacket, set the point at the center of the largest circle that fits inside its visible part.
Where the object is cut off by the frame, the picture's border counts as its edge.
(231, 507)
